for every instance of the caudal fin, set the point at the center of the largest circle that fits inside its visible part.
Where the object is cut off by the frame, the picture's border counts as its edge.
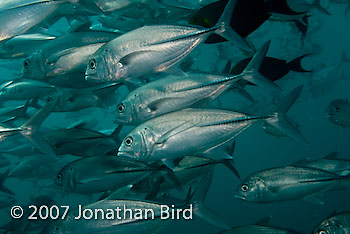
(30, 129)
(3, 178)
(295, 64)
(319, 7)
(197, 199)
(223, 28)
(251, 72)
(279, 119)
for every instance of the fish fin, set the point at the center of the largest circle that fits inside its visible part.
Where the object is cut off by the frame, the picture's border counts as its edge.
(242, 92)
(3, 178)
(170, 177)
(78, 124)
(152, 195)
(169, 163)
(127, 59)
(174, 131)
(295, 64)
(175, 70)
(313, 200)
(199, 209)
(106, 90)
(30, 129)
(115, 135)
(156, 105)
(279, 120)
(251, 72)
(318, 6)
(93, 8)
(333, 155)
(227, 68)
(224, 29)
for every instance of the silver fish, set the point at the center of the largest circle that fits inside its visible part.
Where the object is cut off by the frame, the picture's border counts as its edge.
(288, 183)
(174, 93)
(338, 111)
(153, 49)
(25, 90)
(18, 20)
(198, 131)
(335, 224)
(330, 163)
(109, 173)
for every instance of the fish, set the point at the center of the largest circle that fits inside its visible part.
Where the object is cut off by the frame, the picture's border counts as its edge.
(77, 99)
(198, 131)
(25, 90)
(330, 163)
(109, 173)
(336, 223)
(173, 93)
(338, 112)
(19, 20)
(306, 6)
(288, 183)
(152, 49)
(30, 129)
(134, 224)
(65, 54)
(12, 113)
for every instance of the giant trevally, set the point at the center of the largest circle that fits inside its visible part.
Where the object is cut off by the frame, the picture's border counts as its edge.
(18, 20)
(173, 93)
(288, 183)
(330, 163)
(109, 173)
(154, 49)
(25, 90)
(336, 223)
(148, 223)
(199, 132)
(338, 111)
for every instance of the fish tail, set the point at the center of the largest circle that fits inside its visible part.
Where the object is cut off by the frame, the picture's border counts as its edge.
(279, 119)
(251, 72)
(228, 162)
(30, 129)
(223, 28)
(115, 135)
(3, 178)
(197, 199)
(295, 64)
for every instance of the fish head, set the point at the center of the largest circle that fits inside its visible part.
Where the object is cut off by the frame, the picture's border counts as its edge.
(34, 66)
(124, 112)
(252, 189)
(67, 178)
(102, 66)
(137, 144)
(329, 226)
(337, 111)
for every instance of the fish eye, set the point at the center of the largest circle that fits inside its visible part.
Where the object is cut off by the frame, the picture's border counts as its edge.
(119, 65)
(92, 64)
(121, 108)
(26, 63)
(322, 232)
(337, 109)
(59, 176)
(128, 141)
(244, 187)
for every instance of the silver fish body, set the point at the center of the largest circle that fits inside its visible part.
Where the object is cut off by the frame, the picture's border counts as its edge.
(170, 94)
(108, 173)
(185, 132)
(18, 20)
(287, 183)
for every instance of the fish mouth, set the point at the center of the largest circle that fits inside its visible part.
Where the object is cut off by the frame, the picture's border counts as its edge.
(237, 196)
(91, 77)
(124, 154)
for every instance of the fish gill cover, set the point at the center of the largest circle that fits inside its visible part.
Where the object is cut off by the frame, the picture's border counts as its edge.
(168, 116)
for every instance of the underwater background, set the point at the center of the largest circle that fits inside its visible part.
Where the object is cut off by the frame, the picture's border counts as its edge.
(327, 39)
